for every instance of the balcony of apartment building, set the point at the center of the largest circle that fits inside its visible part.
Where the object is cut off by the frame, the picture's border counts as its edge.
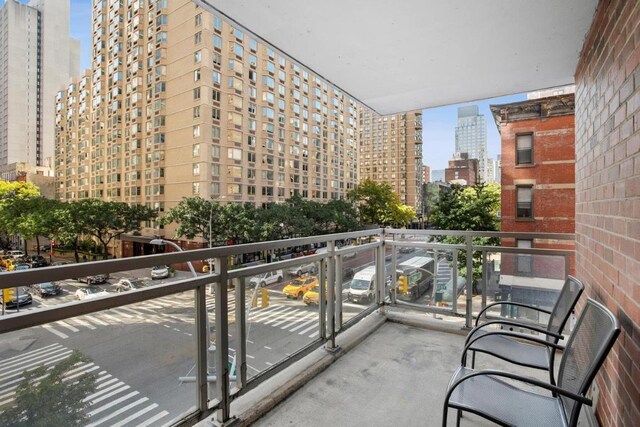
(351, 341)
(234, 341)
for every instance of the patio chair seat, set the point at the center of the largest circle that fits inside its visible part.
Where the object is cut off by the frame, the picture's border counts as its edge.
(504, 403)
(512, 350)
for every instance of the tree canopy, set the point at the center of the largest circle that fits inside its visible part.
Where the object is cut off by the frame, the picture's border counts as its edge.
(47, 397)
(378, 204)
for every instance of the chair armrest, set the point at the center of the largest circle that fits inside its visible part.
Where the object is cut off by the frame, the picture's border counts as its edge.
(526, 380)
(513, 323)
(514, 335)
(517, 304)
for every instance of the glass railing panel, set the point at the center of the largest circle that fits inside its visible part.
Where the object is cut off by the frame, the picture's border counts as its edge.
(530, 279)
(358, 287)
(282, 315)
(128, 365)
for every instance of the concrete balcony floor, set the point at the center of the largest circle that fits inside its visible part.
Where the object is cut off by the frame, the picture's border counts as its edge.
(396, 375)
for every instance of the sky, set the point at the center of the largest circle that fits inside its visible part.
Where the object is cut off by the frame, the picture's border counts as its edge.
(438, 132)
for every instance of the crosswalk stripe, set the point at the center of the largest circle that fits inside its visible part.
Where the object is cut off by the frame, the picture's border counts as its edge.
(136, 415)
(34, 361)
(106, 390)
(109, 380)
(111, 318)
(68, 326)
(114, 391)
(8, 365)
(83, 323)
(81, 373)
(302, 325)
(275, 316)
(303, 320)
(118, 412)
(298, 314)
(263, 314)
(121, 312)
(152, 420)
(112, 403)
(22, 356)
(96, 320)
(314, 334)
(80, 367)
(55, 331)
(304, 331)
(32, 367)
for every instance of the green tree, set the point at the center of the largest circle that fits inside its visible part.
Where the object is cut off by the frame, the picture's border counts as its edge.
(239, 222)
(69, 223)
(108, 220)
(473, 208)
(430, 197)
(15, 199)
(196, 216)
(343, 216)
(378, 204)
(47, 397)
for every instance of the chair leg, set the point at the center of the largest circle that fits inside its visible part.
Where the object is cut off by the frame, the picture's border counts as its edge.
(458, 416)
(445, 412)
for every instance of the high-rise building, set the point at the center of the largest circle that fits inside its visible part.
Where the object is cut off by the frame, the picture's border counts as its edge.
(437, 175)
(462, 170)
(426, 174)
(391, 152)
(471, 137)
(36, 57)
(183, 104)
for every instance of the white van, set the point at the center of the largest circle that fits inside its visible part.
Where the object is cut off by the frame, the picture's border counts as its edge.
(363, 284)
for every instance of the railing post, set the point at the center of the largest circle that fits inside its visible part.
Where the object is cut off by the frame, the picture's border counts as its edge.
(202, 348)
(454, 303)
(469, 310)
(484, 279)
(331, 300)
(222, 342)
(381, 278)
(241, 333)
(322, 302)
(339, 280)
(394, 276)
(567, 265)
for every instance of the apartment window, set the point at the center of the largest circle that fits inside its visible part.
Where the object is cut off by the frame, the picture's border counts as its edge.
(196, 112)
(196, 75)
(196, 169)
(197, 56)
(197, 38)
(217, 41)
(196, 131)
(215, 113)
(216, 78)
(215, 95)
(524, 263)
(524, 149)
(195, 188)
(196, 150)
(524, 202)
(196, 93)
(234, 189)
(198, 19)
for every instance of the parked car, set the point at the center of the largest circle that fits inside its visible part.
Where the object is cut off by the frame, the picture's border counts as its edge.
(160, 272)
(299, 270)
(94, 280)
(90, 292)
(46, 289)
(124, 285)
(38, 261)
(16, 254)
(297, 287)
(267, 278)
(23, 299)
(21, 266)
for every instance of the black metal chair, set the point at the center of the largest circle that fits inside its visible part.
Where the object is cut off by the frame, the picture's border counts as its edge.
(485, 393)
(525, 349)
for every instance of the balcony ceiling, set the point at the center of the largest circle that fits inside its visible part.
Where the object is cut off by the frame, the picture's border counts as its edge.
(398, 56)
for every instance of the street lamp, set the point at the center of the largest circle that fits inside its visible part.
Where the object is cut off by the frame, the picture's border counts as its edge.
(162, 242)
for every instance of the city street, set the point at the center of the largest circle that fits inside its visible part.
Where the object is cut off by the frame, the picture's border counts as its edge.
(140, 351)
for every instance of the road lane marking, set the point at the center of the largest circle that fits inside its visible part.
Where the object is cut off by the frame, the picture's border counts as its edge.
(304, 331)
(112, 392)
(304, 320)
(101, 392)
(152, 420)
(68, 326)
(302, 325)
(113, 403)
(118, 412)
(83, 323)
(33, 364)
(22, 356)
(297, 315)
(136, 415)
(268, 348)
(29, 358)
(282, 314)
(96, 320)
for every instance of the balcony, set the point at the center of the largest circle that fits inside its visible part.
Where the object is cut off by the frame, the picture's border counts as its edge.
(232, 343)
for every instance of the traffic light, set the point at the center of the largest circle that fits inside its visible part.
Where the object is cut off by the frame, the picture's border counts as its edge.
(403, 284)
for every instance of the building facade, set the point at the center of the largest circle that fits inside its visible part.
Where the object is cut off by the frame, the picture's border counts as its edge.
(437, 175)
(36, 57)
(538, 190)
(179, 104)
(471, 137)
(426, 174)
(462, 170)
(391, 152)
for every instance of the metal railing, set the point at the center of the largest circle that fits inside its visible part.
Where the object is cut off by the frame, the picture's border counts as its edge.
(330, 312)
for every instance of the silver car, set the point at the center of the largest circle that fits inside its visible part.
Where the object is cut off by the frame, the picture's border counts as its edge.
(160, 272)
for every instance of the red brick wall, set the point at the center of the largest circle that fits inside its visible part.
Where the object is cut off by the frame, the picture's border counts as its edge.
(608, 194)
(553, 172)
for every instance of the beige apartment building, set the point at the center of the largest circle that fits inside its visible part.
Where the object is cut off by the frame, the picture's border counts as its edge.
(179, 103)
(391, 152)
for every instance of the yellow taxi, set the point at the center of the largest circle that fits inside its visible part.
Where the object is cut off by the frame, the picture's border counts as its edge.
(297, 287)
(7, 262)
(312, 295)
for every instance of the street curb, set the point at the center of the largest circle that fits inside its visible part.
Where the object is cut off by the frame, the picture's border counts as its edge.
(258, 402)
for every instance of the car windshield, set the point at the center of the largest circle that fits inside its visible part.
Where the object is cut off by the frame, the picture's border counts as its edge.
(297, 282)
(360, 284)
(47, 285)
